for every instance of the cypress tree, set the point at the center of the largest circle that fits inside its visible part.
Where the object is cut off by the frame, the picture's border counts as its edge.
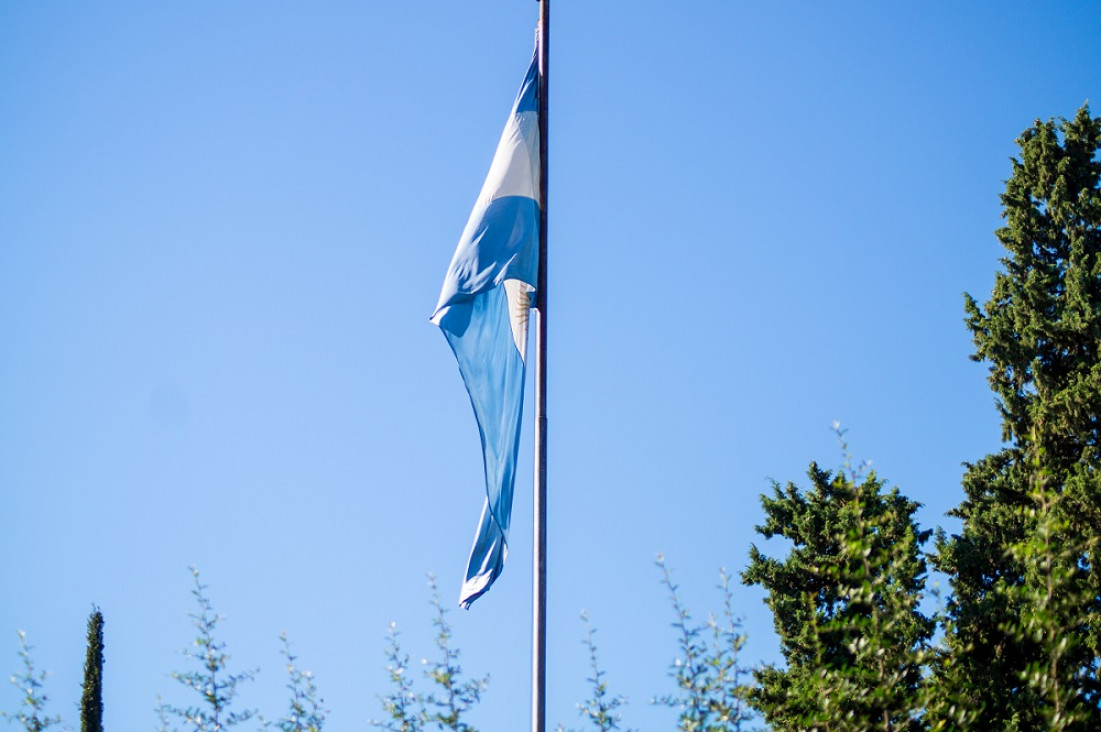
(91, 701)
(845, 606)
(1024, 628)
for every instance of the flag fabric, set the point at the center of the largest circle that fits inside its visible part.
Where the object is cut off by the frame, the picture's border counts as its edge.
(483, 313)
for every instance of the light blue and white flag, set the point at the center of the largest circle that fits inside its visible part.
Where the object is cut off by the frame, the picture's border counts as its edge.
(483, 312)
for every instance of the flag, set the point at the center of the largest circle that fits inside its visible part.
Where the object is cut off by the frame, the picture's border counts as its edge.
(483, 313)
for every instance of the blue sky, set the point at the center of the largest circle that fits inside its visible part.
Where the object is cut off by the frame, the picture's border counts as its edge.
(223, 228)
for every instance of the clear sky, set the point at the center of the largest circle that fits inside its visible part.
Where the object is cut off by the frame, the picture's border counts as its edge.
(223, 227)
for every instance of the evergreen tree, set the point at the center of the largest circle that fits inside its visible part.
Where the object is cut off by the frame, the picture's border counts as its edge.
(91, 700)
(845, 606)
(1024, 628)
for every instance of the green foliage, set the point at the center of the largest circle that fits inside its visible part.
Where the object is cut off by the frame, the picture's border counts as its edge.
(845, 606)
(1054, 598)
(306, 712)
(446, 706)
(403, 707)
(1015, 589)
(711, 694)
(31, 684)
(980, 665)
(216, 686)
(602, 709)
(1041, 330)
(91, 700)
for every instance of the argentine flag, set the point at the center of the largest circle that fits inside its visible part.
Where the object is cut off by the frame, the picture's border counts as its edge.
(483, 313)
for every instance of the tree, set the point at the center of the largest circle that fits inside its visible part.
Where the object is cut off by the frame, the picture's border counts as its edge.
(31, 684)
(306, 711)
(1055, 603)
(455, 695)
(403, 706)
(91, 700)
(711, 693)
(216, 686)
(845, 606)
(601, 710)
(1016, 585)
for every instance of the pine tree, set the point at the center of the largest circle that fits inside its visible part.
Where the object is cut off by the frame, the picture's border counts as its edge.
(91, 700)
(1040, 334)
(845, 606)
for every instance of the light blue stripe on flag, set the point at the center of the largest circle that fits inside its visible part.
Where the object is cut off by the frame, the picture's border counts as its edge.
(483, 312)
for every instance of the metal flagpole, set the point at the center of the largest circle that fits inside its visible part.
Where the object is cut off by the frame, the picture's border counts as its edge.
(539, 603)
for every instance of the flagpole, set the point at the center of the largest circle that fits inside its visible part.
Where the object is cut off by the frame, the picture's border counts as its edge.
(539, 601)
